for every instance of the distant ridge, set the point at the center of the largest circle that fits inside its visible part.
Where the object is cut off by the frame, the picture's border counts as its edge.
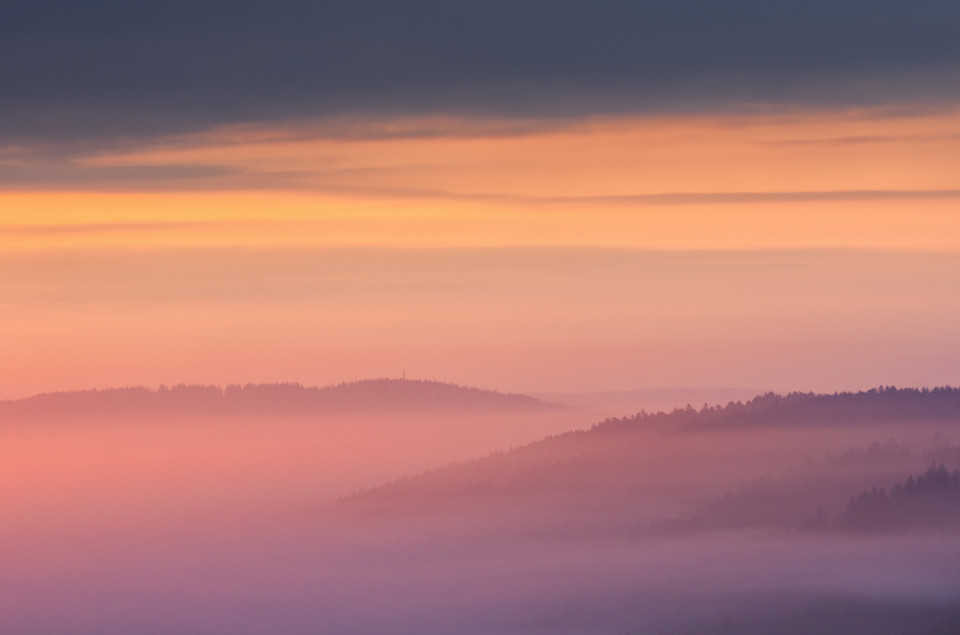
(379, 395)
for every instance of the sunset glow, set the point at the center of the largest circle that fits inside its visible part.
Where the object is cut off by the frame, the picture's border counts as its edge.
(422, 317)
(254, 259)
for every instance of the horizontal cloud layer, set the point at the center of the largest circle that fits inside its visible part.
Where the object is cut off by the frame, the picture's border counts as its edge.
(108, 67)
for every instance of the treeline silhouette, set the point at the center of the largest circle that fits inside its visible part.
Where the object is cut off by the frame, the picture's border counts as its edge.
(931, 500)
(883, 404)
(266, 399)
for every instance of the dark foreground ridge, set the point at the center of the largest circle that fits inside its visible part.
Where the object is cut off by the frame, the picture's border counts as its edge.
(930, 500)
(372, 395)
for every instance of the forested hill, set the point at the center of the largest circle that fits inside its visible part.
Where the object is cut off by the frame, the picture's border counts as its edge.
(616, 456)
(375, 395)
(882, 404)
(931, 500)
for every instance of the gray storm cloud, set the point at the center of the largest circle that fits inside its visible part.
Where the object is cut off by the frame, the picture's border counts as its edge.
(110, 68)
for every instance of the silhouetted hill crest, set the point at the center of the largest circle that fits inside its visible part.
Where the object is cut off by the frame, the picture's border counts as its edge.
(876, 405)
(373, 395)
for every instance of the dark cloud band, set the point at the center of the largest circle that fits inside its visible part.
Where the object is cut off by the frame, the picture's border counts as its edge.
(111, 67)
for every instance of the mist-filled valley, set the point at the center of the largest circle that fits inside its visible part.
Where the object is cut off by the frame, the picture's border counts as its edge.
(421, 507)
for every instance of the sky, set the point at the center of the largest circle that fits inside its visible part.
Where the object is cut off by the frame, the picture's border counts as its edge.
(523, 195)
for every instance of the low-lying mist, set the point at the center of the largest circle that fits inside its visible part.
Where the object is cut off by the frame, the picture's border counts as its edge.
(418, 520)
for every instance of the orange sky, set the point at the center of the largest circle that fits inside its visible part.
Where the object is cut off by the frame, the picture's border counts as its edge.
(520, 255)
